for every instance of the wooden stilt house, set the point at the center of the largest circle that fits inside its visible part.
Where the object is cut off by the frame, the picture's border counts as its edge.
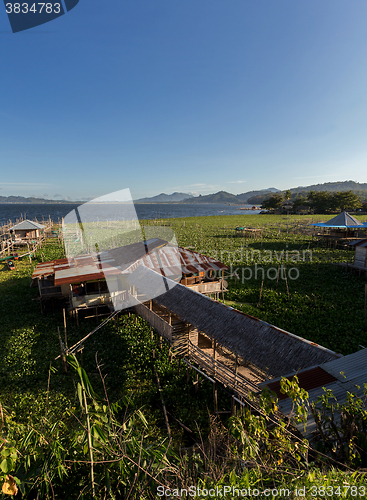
(99, 280)
(27, 230)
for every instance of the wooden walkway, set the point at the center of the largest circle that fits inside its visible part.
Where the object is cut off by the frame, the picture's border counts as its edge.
(215, 362)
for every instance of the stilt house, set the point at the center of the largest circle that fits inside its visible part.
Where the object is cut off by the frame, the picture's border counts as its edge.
(26, 230)
(98, 280)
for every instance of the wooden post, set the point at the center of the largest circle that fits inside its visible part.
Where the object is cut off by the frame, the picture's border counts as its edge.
(214, 355)
(261, 291)
(159, 341)
(233, 406)
(163, 405)
(63, 357)
(215, 397)
(66, 338)
(235, 371)
(196, 383)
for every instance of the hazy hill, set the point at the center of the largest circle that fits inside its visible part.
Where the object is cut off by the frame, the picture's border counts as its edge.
(333, 187)
(220, 197)
(225, 197)
(29, 201)
(165, 198)
(360, 189)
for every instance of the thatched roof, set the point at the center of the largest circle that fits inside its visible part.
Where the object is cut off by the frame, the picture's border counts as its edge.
(266, 346)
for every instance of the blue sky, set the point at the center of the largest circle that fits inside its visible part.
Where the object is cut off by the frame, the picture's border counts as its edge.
(191, 95)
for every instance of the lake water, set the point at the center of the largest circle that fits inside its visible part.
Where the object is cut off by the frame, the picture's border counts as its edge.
(143, 210)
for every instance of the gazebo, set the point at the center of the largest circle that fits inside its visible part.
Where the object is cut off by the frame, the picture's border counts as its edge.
(343, 225)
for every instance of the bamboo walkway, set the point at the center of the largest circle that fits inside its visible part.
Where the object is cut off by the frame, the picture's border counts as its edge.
(215, 363)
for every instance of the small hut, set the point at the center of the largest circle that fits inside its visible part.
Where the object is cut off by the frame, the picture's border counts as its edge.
(343, 225)
(27, 230)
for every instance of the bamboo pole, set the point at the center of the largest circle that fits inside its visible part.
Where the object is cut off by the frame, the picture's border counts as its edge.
(63, 357)
(163, 405)
(66, 338)
(215, 397)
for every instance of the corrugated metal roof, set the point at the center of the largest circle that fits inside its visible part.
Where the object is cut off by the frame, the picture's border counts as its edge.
(27, 225)
(352, 379)
(154, 254)
(354, 367)
(177, 260)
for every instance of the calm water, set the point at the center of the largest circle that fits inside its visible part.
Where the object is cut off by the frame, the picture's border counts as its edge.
(144, 211)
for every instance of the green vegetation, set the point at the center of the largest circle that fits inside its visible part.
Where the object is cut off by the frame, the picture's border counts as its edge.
(319, 201)
(359, 189)
(45, 414)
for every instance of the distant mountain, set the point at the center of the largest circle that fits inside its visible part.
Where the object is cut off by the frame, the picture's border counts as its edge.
(360, 189)
(165, 198)
(220, 197)
(244, 197)
(333, 187)
(225, 197)
(32, 200)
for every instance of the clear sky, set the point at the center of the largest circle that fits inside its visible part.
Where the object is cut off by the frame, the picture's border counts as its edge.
(184, 95)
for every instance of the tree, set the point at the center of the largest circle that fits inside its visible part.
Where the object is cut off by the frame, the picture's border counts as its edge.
(287, 195)
(275, 201)
(346, 200)
(320, 201)
(301, 201)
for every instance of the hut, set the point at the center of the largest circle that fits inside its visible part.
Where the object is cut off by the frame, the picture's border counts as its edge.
(99, 280)
(287, 206)
(26, 230)
(343, 225)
